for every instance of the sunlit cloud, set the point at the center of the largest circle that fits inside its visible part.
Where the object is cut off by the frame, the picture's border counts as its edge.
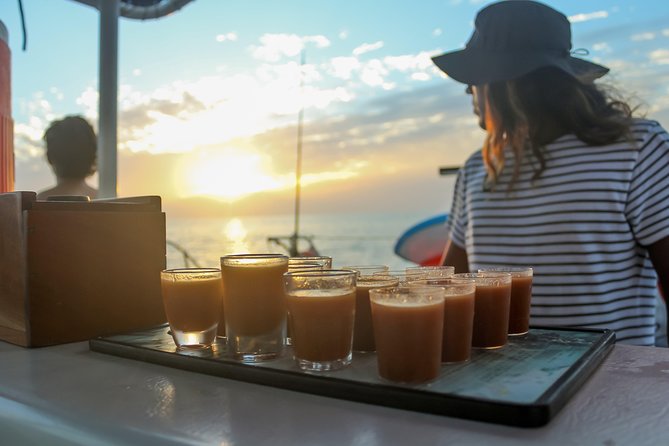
(57, 93)
(229, 174)
(420, 76)
(660, 56)
(343, 67)
(602, 47)
(373, 74)
(227, 37)
(343, 34)
(437, 32)
(665, 32)
(367, 47)
(585, 17)
(275, 46)
(420, 61)
(642, 37)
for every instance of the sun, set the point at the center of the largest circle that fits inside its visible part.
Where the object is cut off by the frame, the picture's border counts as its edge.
(228, 174)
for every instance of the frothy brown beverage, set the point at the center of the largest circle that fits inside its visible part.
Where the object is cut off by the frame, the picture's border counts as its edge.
(521, 295)
(408, 339)
(253, 298)
(321, 324)
(192, 305)
(363, 333)
(491, 315)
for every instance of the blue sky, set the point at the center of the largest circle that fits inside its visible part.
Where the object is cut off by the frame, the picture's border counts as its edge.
(208, 97)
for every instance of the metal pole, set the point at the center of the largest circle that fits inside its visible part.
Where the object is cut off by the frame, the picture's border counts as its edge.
(108, 99)
(298, 167)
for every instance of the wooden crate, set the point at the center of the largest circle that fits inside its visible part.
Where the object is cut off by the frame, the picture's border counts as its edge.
(71, 271)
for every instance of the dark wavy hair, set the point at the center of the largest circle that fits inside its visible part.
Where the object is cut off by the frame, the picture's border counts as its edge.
(521, 112)
(71, 147)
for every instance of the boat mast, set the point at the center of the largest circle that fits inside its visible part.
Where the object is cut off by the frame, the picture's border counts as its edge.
(293, 251)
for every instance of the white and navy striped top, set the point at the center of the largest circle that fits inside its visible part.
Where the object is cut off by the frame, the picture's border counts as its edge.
(583, 226)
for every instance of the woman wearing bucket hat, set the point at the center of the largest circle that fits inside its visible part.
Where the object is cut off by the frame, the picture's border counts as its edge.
(567, 181)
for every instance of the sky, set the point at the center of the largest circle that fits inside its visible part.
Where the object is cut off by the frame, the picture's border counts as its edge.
(209, 96)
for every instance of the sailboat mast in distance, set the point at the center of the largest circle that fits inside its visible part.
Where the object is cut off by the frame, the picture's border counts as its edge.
(298, 167)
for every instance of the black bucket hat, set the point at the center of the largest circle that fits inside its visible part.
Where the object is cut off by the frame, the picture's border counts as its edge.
(512, 38)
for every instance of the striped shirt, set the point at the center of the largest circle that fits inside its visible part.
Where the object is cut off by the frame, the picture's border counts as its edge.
(583, 226)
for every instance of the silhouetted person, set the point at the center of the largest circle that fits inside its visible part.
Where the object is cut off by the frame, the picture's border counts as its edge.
(71, 149)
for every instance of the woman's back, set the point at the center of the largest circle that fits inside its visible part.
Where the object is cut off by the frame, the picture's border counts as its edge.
(581, 225)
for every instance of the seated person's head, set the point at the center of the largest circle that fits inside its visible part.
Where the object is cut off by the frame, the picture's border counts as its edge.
(71, 147)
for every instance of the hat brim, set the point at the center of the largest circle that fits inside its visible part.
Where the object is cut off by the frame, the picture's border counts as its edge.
(477, 67)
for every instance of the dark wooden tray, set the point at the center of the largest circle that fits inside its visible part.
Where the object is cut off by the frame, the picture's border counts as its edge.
(523, 384)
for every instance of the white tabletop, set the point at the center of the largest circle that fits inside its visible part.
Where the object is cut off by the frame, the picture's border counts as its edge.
(70, 395)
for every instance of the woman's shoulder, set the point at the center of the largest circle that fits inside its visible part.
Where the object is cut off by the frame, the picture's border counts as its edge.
(474, 161)
(644, 128)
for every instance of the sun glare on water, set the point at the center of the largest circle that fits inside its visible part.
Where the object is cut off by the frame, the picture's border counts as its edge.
(229, 174)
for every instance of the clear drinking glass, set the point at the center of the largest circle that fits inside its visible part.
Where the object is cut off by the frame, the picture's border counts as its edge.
(254, 301)
(405, 276)
(367, 270)
(321, 308)
(363, 332)
(324, 261)
(192, 300)
(491, 308)
(408, 326)
(432, 271)
(521, 297)
(459, 299)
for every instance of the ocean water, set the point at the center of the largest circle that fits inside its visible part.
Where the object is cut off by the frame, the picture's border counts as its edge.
(350, 239)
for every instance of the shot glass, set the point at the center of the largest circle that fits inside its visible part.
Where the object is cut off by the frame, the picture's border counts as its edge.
(254, 301)
(521, 297)
(408, 326)
(459, 300)
(363, 331)
(321, 308)
(432, 271)
(406, 276)
(297, 264)
(367, 270)
(324, 261)
(491, 308)
(192, 301)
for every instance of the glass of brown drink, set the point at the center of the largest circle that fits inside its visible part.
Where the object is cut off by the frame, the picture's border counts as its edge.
(459, 298)
(321, 308)
(363, 333)
(406, 276)
(254, 302)
(408, 326)
(296, 264)
(192, 300)
(367, 270)
(491, 308)
(521, 297)
(432, 271)
(324, 261)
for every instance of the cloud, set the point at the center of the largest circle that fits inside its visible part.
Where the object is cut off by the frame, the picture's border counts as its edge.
(373, 74)
(275, 46)
(602, 47)
(229, 37)
(343, 67)
(437, 32)
(660, 56)
(642, 37)
(367, 47)
(585, 17)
